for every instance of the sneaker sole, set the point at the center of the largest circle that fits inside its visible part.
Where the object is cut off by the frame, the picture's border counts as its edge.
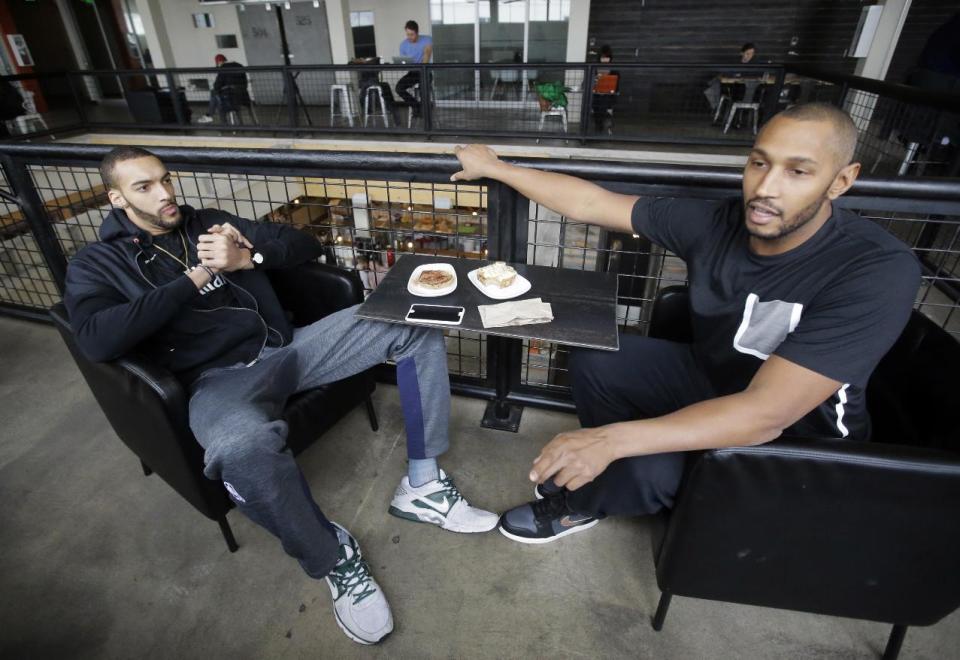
(438, 520)
(549, 539)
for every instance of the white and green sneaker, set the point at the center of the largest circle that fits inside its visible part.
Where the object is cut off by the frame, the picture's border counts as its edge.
(359, 605)
(440, 503)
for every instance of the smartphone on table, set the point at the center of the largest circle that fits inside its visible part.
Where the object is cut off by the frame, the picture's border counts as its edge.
(443, 314)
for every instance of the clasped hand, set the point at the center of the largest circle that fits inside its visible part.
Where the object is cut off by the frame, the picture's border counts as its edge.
(224, 248)
(574, 458)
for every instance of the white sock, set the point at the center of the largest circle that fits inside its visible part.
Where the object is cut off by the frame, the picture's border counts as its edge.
(422, 470)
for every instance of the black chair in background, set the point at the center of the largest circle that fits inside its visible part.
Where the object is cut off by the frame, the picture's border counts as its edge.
(233, 99)
(866, 530)
(147, 406)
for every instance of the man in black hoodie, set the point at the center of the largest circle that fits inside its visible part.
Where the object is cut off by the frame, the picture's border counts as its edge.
(187, 289)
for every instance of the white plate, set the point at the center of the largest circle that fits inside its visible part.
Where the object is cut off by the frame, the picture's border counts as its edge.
(519, 287)
(425, 292)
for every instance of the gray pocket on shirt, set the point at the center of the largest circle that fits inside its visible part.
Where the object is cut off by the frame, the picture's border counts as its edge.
(765, 325)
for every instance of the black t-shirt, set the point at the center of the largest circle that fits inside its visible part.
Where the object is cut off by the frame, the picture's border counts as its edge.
(834, 304)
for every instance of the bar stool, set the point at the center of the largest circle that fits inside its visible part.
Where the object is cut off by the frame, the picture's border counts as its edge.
(348, 108)
(554, 112)
(724, 98)
(752, 96)
(377, 93)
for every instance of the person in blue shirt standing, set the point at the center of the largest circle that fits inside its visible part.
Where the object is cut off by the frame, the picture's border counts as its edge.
(418, 49)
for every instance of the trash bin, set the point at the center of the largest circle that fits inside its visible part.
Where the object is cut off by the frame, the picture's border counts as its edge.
(155, 106)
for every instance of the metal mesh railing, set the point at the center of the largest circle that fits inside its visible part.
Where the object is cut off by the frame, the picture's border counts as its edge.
(365, 223)
(645, 268)
(902, 130)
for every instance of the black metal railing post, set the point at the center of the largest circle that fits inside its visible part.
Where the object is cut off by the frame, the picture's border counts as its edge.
(35, 214)
(507, 220)
(290, 93)
(175, 98)
(842, 98)
(425, 114)
(77, 98)
(589, 73)
(778, 88)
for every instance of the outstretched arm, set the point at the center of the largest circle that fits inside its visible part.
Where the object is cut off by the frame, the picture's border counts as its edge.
(780, 393)
(574, 198)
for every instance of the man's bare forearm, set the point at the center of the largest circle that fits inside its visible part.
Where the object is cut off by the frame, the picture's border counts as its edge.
(574, 198)
(726, 421)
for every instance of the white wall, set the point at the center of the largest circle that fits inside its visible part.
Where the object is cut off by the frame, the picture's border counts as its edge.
(388, 19)
(338, 26)
(190, 46)
(877, 61)
(155, 33)
(577, 30)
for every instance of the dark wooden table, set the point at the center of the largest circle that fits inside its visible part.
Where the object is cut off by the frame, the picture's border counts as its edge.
(584, 307)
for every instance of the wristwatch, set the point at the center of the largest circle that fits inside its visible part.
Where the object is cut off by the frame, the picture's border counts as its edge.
(256, 258)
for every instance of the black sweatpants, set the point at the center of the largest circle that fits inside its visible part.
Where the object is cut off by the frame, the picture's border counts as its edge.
(645, 378)
(404, 85)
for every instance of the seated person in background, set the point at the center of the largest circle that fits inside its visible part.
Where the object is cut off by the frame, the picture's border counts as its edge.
(714, 88)
(605, 90)
(416, 48)
(188, 289)
(370, 78)
(793, 302)
(229, 90)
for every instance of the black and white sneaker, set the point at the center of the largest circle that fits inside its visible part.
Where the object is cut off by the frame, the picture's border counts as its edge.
(544, 520)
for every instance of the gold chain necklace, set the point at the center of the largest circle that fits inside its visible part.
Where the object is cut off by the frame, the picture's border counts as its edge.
(186, 254)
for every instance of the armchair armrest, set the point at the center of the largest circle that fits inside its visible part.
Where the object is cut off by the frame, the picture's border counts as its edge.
(834, 527)
(314, 290)
(147, 407)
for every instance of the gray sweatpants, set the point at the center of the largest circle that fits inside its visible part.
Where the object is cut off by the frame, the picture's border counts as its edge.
(235, 415)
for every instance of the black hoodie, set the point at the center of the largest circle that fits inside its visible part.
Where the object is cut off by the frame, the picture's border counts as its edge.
(116, 309)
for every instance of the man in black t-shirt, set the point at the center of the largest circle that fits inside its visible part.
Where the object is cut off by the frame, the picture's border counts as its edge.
(793, 302)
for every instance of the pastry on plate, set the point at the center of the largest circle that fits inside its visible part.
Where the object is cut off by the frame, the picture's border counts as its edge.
(435, 279)
(497, 274)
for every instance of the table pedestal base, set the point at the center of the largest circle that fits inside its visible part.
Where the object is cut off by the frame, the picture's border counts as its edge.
(507, 420)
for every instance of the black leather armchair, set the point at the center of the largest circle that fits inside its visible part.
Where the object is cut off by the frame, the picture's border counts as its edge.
(866, 530)
(147, 405)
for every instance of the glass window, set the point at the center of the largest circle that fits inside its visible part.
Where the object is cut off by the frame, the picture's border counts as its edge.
(501, 37)
(457, 12)
(549, 23)
(549, 10)
(452, 24)
(501, 30)
(452, 28)
(361, 18)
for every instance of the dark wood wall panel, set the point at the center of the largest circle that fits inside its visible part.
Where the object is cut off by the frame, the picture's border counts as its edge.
(704, 31)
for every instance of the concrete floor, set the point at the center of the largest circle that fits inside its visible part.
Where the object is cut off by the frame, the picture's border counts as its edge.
(97, 561)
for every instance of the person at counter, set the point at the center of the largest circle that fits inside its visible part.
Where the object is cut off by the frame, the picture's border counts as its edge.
(793, 302)
(189, 290)
(418, 49)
